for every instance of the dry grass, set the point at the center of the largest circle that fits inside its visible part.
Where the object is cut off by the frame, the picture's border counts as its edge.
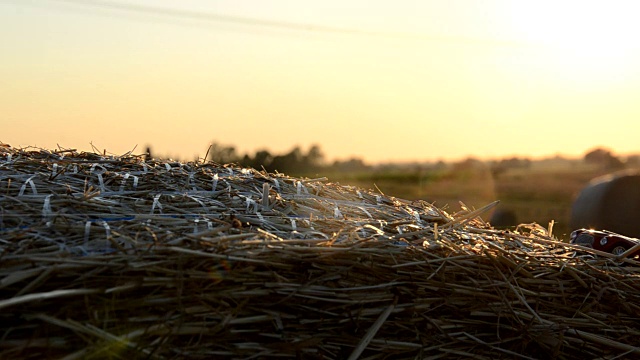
(115, 257)
(539, 194)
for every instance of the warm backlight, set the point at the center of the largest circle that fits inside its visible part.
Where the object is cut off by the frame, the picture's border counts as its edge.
(596, 36)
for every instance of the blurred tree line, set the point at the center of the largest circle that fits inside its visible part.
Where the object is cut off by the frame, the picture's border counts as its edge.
(294, 162)
(298, 162)
(604, 158)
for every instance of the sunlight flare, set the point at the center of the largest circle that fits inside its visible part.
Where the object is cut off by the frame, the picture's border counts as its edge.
(595, 36)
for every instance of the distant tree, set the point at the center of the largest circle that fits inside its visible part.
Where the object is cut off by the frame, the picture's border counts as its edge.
(633, 161)
(295, 162)
(262, 159)
(314, 158)
(604, 158)
(597, 156)
(469, 163)
(246, 161)
(350, 165)
(223, 154)
(289, 163)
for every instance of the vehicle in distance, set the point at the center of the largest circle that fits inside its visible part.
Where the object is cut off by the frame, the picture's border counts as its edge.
(606, 241)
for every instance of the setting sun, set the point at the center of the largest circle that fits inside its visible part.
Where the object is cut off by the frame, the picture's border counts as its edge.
(598, 37)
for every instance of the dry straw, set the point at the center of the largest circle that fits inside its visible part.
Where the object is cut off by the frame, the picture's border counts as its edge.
(120, 257)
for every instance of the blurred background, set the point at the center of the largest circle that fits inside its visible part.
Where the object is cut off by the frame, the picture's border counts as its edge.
(446, 101)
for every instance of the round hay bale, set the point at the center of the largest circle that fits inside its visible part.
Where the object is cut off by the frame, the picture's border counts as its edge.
(121, 257)
(610, 202)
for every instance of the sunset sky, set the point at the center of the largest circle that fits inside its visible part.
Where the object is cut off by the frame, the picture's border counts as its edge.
(377, 79)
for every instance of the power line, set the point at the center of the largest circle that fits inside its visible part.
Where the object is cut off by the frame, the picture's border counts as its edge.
(274, 24)
(195, 15)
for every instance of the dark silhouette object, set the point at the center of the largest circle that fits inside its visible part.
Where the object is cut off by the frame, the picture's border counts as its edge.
(262, 158)
(610, 202)
(290, 163)
(633, 161)
(222, 154)
(502, 218)
(603, 158)
(296, 162)
(314, 158)
(147, 154)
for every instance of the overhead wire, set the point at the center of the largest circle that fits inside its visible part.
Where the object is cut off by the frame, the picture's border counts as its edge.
(265, 23)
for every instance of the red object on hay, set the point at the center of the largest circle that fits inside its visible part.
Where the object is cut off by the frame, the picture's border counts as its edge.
(606, 241)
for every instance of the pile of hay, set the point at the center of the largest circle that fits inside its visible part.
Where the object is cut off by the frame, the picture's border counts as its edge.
(122, 258)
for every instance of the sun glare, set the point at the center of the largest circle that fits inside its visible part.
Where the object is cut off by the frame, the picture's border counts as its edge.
(595, 36)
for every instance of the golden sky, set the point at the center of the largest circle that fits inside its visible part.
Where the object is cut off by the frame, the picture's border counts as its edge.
(378, 79)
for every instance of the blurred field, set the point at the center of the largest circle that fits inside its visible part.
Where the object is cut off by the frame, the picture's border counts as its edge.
(538, 193)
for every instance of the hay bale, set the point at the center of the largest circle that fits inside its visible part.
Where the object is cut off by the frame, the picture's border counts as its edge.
(121, 257)
(610, 202)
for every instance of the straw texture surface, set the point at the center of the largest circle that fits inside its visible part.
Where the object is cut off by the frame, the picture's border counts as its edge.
(119, 257)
